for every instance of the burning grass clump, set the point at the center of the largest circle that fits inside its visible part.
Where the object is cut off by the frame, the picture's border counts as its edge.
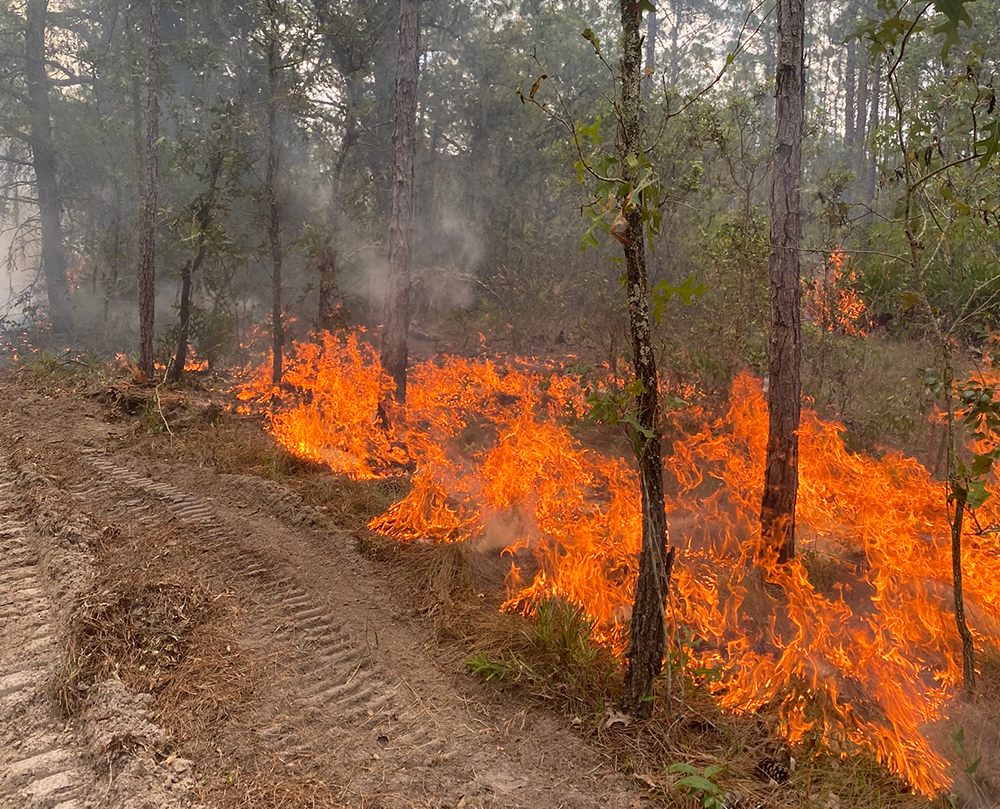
(138, 632)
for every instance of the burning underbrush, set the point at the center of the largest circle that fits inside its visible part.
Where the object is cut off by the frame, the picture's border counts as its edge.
(853, 642)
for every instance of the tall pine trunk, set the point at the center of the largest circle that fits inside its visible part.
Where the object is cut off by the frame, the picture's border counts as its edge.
(874, 119)
(397, 302)
(147, 252)
(43, 157)
(652, 32)
(271, 192)
(674, 72)
(329, 289)
(851, 78)
(781, 475)
(647, 635)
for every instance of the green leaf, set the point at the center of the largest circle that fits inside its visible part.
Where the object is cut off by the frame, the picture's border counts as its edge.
(646, 5)
(976, 494)
(664, 291)
(696, 783)
(635, 387)
(591, 37)
(955, 14)
(954, 10)
(589, 240)
(591, 131)
(981, 465)
(990, 143)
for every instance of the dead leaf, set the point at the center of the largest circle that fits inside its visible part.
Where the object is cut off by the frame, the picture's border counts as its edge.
(618, 718)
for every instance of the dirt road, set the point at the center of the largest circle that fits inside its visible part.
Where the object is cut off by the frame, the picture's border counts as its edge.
(175, 637)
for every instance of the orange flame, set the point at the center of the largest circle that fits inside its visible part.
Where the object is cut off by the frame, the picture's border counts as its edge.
(853, 641)
(832, 303)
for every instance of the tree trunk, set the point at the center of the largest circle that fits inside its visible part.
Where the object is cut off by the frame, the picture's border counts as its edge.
(329, 289)
(397, 302)
(781, 476)
(676, 8)
(871, 167)
(652, 31)
(147, 253)
(861, 109)
(138, 139)
(43, 155)
(203, 220)
(968, 645)
(184, 317)
(647, 634)
(851, 78)
(271, 191)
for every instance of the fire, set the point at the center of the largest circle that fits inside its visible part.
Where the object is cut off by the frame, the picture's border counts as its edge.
(832, 303)
(193, 364)
(853, 641)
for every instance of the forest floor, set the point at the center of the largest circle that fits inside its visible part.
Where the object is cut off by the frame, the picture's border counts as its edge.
(190, 617)
(174, 635)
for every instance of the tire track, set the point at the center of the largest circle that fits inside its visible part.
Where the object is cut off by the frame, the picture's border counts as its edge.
(39, 769)
(333, 689)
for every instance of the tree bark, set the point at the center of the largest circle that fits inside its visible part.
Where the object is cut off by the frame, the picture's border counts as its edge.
(871, 166)
(968, 644)
(647, 634)
(861, 121)
(329, 289)
(271, 192)
(43, 155)
(147, 253)
(676, 9)
(777, 512)
(203, 220)
(394, 335)
(652, 32)
(850, 78)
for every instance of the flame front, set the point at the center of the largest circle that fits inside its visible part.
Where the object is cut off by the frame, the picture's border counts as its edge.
(853, 641)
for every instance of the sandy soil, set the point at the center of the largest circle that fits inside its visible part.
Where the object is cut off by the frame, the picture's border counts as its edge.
(241, 652)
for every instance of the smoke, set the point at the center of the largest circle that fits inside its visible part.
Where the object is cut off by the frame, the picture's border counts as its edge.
(514, 528)
(22, 290)
(445, 255)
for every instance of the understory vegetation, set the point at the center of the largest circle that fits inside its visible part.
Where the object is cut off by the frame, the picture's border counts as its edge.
(246, 152)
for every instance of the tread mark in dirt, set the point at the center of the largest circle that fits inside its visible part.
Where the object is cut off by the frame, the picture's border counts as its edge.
(336, 682)
(37, 770)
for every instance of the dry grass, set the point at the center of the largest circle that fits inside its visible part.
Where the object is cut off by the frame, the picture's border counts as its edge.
(175, 633)
(138, 631)
(459, 590)
(550, 665)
